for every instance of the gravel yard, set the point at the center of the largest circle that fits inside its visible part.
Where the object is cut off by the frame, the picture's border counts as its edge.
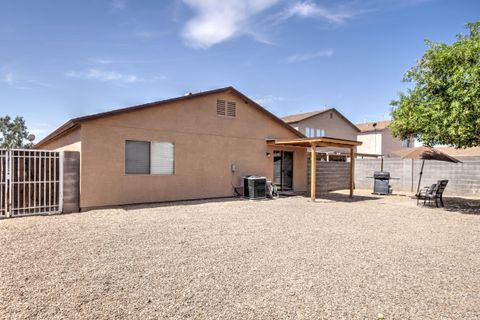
(235, 259)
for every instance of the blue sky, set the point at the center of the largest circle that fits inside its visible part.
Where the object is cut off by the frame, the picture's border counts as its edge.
(63, 58)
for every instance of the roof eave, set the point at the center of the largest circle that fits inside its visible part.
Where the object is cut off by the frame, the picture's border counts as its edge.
(67, 126)
(76, 121)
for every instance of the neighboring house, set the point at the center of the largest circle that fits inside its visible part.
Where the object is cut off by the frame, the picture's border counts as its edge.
(378, 140)
(192, 147)
(324, 123)
(461, 153)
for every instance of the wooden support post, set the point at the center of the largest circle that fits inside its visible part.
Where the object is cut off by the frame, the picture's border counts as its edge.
(313, 173)
(352, 171)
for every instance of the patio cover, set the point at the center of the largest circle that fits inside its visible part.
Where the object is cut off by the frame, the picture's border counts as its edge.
(321, 142)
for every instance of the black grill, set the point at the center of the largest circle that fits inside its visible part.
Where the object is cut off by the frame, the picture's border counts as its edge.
(382, 182)
(254, 187)
(382, 175)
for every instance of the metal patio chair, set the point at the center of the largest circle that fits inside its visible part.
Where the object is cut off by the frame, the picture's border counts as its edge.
(434, 193)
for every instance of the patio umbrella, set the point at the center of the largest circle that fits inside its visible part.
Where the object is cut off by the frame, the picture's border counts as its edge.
(424, 153)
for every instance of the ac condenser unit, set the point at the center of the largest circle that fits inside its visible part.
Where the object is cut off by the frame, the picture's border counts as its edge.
(254, 187)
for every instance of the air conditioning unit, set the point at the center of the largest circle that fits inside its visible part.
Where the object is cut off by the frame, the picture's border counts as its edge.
(254, 187)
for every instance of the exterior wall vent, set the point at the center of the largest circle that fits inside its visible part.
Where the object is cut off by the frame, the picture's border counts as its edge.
(231, 109)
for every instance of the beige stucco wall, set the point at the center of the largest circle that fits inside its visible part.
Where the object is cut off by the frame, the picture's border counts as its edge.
(379, 142)
(69, 142)
(390, 143)
(206, 145)
(371, 142)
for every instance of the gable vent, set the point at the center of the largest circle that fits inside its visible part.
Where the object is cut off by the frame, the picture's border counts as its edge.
(231, 109)
(221, 107)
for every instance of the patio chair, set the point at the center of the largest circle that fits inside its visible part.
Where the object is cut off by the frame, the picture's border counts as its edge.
(433, 193)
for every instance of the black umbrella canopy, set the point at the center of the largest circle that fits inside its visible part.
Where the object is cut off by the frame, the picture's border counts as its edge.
(424, 153)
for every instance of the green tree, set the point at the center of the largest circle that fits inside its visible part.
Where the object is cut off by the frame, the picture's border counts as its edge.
(13, 133)
(444, 105)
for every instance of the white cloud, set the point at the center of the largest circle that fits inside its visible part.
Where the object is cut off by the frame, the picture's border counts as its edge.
(105, 76)
(103, 61)
(267, 99)
(111, 76)
(216, 21)
(314, 10)
(21, 82)
(118, 4)
(309, 56)
(146, 35)
(8, 78)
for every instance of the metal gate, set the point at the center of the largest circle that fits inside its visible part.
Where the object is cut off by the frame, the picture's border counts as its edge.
(31, 182)
(3, 183)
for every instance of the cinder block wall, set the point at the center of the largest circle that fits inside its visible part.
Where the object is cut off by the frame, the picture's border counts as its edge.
(331, 176)
(464, 178)
(71, 181)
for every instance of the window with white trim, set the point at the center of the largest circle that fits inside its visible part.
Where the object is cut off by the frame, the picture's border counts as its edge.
(310, 132)
(321, 133)
(149, 158)
(314, 132)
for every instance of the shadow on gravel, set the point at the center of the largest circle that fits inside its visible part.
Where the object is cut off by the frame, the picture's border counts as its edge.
(181, 203)
(341, 197)
(456, 204)
(462, 205)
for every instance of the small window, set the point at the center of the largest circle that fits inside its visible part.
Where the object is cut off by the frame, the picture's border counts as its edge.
(137, 157)
(407, 143)
(331, 115)
(231, 109)
(149, 158)
(162, 158)
(221, 107)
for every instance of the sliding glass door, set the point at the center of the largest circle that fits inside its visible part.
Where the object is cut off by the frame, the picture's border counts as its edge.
(283, 170)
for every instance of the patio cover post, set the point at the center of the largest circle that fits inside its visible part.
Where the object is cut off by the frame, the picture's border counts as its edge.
(313, 173)
(352, 171)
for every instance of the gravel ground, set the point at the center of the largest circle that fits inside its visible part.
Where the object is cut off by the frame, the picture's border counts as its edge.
(235, 259)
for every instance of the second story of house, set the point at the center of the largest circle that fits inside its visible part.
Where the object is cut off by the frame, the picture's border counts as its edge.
(323, 123)
(378, 140)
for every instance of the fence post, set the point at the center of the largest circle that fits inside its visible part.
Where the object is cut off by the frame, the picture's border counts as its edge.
(411, 189)
(8, 181)
(60, 192)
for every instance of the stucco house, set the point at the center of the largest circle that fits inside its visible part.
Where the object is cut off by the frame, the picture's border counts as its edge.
(378, 140)
(324, 123)
(195, 146)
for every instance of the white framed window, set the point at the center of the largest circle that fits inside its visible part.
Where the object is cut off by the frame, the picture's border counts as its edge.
(407, 143)
(321, 133)
(149, 158)
(310, 132)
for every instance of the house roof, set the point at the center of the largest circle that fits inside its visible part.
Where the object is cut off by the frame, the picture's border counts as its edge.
(374, 125)
(468, 152)
(73, 123)
(306, 115)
